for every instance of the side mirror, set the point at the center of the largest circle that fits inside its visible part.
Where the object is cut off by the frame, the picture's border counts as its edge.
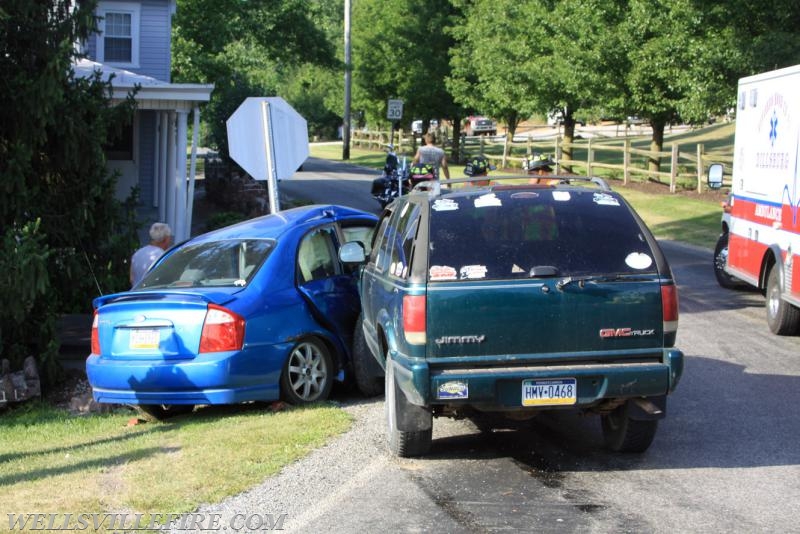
(352, 252)
(715, 172)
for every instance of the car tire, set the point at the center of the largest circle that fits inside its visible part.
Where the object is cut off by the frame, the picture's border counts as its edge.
(366, 369)
(404, 443)
(783, 318)
(720, 261)
(623, 434)
(162, 412)
(308, 373)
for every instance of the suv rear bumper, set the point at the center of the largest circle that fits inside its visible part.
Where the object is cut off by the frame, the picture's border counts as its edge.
(501, 386)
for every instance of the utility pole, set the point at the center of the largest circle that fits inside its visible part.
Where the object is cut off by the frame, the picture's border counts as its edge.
(347, 83)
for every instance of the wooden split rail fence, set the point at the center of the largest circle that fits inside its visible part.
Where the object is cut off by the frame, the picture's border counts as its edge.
(686, 163)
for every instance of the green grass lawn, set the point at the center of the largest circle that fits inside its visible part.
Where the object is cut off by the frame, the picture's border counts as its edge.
(53, 462)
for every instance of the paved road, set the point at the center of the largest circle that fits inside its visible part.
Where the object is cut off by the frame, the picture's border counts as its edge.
(726, 458)
(329, 182)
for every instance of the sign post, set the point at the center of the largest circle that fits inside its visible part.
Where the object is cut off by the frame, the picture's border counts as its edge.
(394, 112)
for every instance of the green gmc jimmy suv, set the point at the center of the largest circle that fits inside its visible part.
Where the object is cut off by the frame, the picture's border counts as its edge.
(514, 299)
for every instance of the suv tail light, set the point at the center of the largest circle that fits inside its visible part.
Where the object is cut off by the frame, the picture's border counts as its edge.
(414, 320)
(223, 330)
(669, 308)
(95, 335)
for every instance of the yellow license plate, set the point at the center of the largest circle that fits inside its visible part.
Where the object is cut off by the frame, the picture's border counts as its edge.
(550, 392)
(144, 339)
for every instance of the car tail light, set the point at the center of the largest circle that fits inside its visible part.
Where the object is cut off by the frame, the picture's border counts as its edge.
(669, 308)
(95, 335)
(414, 320)
(223, 330)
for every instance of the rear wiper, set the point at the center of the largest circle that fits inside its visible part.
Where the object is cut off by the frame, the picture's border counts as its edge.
(581, 280)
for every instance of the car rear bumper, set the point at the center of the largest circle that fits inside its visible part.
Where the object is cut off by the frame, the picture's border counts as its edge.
(501, 386)
(213, 378)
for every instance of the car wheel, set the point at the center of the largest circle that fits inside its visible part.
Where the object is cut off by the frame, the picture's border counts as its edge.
(308, 373)
(405, 443)
(162, 412)
(623, 434)
(720, 261)
(783, 318)
(366, 369)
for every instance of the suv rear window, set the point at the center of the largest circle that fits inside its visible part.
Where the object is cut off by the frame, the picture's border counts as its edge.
(506, 233)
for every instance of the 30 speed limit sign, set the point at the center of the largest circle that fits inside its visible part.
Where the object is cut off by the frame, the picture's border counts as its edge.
(395, 110)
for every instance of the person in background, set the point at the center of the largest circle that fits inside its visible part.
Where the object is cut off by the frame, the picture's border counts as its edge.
(540, 165)
(431, 154)
(479, 166)
(142, 259)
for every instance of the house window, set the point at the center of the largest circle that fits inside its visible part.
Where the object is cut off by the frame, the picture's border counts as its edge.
(118, 42)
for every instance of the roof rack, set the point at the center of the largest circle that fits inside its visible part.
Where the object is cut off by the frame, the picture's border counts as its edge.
(434, 186)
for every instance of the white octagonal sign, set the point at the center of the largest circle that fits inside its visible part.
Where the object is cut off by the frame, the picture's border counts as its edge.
(268, 138)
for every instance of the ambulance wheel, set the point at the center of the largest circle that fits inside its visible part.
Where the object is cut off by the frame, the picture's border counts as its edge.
(783, 318)
(720, 261)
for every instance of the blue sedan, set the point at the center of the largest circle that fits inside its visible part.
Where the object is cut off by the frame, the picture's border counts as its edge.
(260, 310)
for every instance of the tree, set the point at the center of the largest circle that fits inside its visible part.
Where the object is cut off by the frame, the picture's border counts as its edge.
(401, 51)
(489, 74)
(245, 49)
(683, 63)
(64, 234)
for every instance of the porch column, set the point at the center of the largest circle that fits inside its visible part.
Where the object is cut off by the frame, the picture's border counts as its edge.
(181, 230)
(163, 138)
(171, 184)
(192, 168)
(157, 164)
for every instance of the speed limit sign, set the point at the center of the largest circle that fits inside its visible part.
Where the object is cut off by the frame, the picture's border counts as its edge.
(395, 110)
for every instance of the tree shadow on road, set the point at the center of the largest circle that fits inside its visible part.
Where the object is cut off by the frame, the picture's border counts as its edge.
(738, 419)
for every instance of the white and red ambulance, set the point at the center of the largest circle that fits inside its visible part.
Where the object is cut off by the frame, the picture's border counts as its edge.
(763, 230)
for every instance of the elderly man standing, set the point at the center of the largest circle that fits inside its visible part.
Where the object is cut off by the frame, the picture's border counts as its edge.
(160, 239)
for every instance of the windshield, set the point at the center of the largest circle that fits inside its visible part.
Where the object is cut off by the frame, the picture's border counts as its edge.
(216, 264)
(521, 234)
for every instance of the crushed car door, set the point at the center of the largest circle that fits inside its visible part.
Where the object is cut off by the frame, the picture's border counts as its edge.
(330, 292)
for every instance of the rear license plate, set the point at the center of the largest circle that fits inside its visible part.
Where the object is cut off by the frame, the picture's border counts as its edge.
(144, 339)
(550, 392)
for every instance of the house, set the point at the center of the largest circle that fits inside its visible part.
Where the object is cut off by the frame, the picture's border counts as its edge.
(133, 46)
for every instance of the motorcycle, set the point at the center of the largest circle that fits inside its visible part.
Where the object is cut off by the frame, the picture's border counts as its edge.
(393, 182)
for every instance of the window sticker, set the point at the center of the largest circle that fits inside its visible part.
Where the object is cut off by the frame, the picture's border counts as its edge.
(442, 272)
(561, 196)
(397, 268)
(604, 199)
(445, 204)
(516, 269)
(489, 199)
(472, 272)
(637, 260)
(453, 390)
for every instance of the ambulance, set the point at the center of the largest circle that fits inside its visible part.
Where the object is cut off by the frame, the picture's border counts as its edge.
(762, 229)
